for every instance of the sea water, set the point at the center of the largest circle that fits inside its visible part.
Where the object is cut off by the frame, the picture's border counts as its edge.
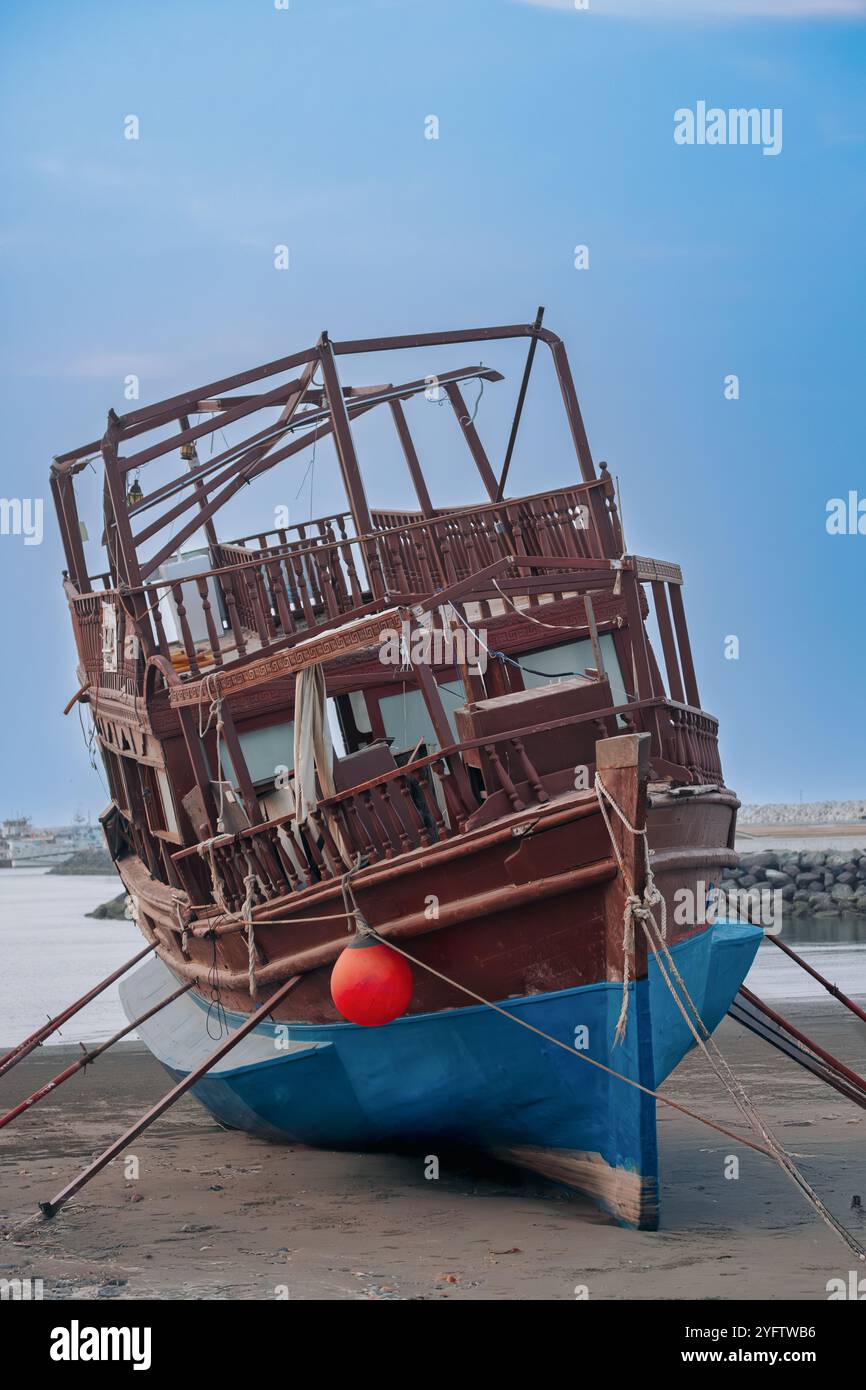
(51, 953)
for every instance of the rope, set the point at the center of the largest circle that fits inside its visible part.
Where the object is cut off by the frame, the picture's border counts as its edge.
(252, 883)
(210, 688)
(524, 613)
(636, 909)
(548, 675)
(182, 925)
(641, 911)
(354, 915)
(206, 851)
(566, 1047)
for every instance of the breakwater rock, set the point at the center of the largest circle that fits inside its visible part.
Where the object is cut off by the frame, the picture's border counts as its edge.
(85, 861)
(817, 883)
(112, 911)
(802, 813)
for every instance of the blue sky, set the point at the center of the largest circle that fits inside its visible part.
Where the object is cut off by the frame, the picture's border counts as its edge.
(306, 127)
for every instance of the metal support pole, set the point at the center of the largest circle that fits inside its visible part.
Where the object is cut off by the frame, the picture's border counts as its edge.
(515, 425)
(26, 1047)
(830, 988)
(51, 1208)
(86, 1057)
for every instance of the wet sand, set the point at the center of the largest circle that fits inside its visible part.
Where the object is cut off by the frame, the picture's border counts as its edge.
(216, 1214)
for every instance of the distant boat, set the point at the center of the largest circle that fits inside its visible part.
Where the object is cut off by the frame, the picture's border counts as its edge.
(458, 810)
(23, 846)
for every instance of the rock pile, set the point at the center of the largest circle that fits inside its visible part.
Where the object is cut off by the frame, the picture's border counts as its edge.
(817, 883)
(802, 813)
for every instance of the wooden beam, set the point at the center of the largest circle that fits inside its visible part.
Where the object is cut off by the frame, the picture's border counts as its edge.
(669, 649)
(476, 448)
(412, 462)
(348, 459)
(682, 631)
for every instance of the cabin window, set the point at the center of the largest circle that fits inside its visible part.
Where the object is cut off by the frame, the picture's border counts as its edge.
(158, 803)
(407, 720)
(264, 750)
(360, 713)
(115, 781)
(572, 659)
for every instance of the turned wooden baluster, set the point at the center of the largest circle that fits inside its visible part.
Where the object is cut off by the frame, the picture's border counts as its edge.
(310, 569)
(335, 567)
(302, 576)
(391, 816)
(442, 537)
(265, 597)
(213, 637)
(456, 809)
(432, 805)
(292, 585)
(227, 870)
(325, 581)
(529, 770)
(428, 584)
(379, 834)
(336, 863)
(373, 565)
(281, 598)
(270, 864)
(310, 837)
(504, 780)
(358, 834)
(235, 622)
(161, 639)
(297, 879)
(186, 634)
(349, 562)
(395, 553)
(415, 817)
(249, 578)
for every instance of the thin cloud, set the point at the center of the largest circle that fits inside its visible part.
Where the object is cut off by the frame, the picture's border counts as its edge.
(716, 9)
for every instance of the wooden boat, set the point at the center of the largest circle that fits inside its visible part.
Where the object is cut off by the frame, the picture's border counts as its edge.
(489, 678)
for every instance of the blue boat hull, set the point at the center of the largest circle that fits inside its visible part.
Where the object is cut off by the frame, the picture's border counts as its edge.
(472, 1077)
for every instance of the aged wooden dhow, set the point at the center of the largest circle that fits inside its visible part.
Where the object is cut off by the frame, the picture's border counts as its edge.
(447, 725)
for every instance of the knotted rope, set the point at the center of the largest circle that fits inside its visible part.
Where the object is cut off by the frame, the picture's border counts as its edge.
(636, 909)
(656, 936)
(210, 688)
(355, 919)
(205, 850)
(252, 884)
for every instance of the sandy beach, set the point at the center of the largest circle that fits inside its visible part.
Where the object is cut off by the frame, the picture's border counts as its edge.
(216, 1214)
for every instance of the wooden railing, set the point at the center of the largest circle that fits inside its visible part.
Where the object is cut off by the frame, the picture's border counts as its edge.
(400, 811)
(256, 596)
(692, 740)
(87, 612)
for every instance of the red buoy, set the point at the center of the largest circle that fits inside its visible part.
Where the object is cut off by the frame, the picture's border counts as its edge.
(370, 983)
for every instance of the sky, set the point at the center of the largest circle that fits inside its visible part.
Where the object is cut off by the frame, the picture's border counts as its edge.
(307, 127)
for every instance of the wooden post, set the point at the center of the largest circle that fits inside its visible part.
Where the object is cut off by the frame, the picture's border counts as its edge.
(682, 631)
(239, 764)
(442, 729)
(675, 685)
(128, 557)
(348, 459)
(209, 528)
(200, 771)
(412, 463)
(637, 634)
(622, 764)
(476, 448)
(63, 492)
